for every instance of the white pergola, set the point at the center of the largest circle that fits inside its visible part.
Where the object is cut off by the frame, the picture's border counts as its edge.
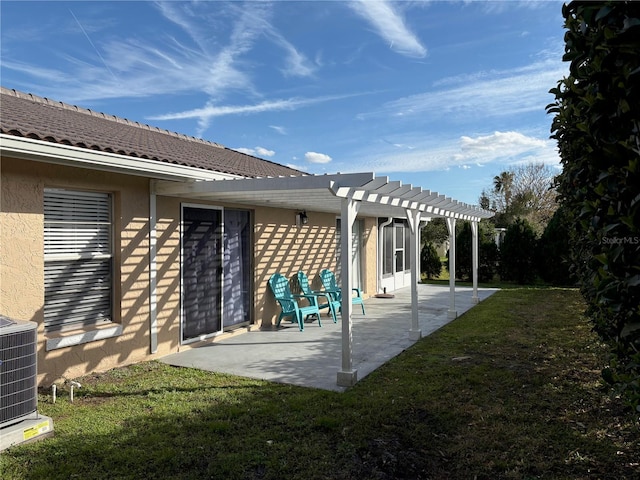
(348, 195)
(345, 194)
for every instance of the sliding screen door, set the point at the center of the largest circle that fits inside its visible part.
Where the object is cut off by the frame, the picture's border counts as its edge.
(237, 267)
(201, 272)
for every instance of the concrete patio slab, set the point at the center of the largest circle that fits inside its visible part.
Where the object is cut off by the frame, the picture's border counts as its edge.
(312, 358)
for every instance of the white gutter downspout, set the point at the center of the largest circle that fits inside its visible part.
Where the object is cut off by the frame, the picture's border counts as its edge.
(381, 251)
(153, 281)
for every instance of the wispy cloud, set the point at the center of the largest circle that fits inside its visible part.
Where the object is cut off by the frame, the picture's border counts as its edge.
(296, 63)
(390, 25)
(504, 6)
(281, 130)
(211, 110)
(166, 65)
(495, 93)
(84, 32)
(35, 72)
(207, 53)
(499, 147)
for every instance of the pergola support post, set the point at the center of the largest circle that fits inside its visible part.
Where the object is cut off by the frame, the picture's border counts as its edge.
(474, 260)
(413, 218)
(347, 376)
(451, 226)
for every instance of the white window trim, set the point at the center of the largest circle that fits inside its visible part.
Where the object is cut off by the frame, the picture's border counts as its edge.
(70, 340)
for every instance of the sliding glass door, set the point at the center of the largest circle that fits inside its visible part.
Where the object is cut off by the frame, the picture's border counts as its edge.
(201, 272)
(237, 267)
(216, 270)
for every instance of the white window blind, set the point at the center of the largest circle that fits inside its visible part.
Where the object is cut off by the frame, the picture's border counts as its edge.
(78, 258)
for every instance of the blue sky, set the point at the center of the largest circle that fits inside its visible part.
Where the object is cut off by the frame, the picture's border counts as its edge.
(442, 95)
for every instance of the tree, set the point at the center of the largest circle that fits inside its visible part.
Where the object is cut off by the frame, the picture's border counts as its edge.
(435, 232)
(430, 263)
(484, 201)
(553, 250)
(463, 252)
(488, 255)
(487, 252)
(526, 191)
(597, 126)
(518, 253)
(536, 191)
(503, 188)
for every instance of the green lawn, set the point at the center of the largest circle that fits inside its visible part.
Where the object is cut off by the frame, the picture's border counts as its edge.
(511, 389)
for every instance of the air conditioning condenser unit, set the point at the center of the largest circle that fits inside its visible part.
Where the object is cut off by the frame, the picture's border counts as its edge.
(19, 418)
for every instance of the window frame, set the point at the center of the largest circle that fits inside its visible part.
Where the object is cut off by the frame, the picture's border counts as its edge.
(78, 238)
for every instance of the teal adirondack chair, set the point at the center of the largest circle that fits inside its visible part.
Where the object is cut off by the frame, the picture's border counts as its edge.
(332, 304)
(328, 280)
(289, 302)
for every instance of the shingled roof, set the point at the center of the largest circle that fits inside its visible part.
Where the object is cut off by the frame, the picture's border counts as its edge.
(27, 115)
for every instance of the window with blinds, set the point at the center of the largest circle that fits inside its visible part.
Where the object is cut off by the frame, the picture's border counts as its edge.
(77, 258)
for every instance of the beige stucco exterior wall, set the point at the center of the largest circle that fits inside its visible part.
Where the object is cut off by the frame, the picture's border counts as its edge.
(21, 245)
(168, 274)
(370, 254)
(279, 246)
(22, 263)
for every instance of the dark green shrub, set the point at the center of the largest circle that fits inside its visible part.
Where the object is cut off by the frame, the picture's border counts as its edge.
(597, 126)
(487, 252)
(430, 263)
(463, 253)
(553, 250)
(518, 253)
(488, 260)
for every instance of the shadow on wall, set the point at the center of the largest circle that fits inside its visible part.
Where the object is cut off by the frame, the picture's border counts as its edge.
(286, 249)
(168, 278)
(129, 307)
(129, 280)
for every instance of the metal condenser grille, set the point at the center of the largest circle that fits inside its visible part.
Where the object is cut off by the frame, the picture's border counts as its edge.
(18, 393)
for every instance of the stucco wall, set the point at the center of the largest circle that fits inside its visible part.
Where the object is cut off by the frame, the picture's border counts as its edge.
(22, 263)
(281, 246)
(21, 244)
(370, 254)
(168, 274)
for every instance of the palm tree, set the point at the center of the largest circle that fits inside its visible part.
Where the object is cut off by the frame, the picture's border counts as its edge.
(503, 184)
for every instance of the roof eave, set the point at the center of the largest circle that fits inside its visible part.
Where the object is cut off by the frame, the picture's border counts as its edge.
(68, 155)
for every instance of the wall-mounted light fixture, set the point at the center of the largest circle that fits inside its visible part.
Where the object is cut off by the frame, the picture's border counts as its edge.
(301, 218)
